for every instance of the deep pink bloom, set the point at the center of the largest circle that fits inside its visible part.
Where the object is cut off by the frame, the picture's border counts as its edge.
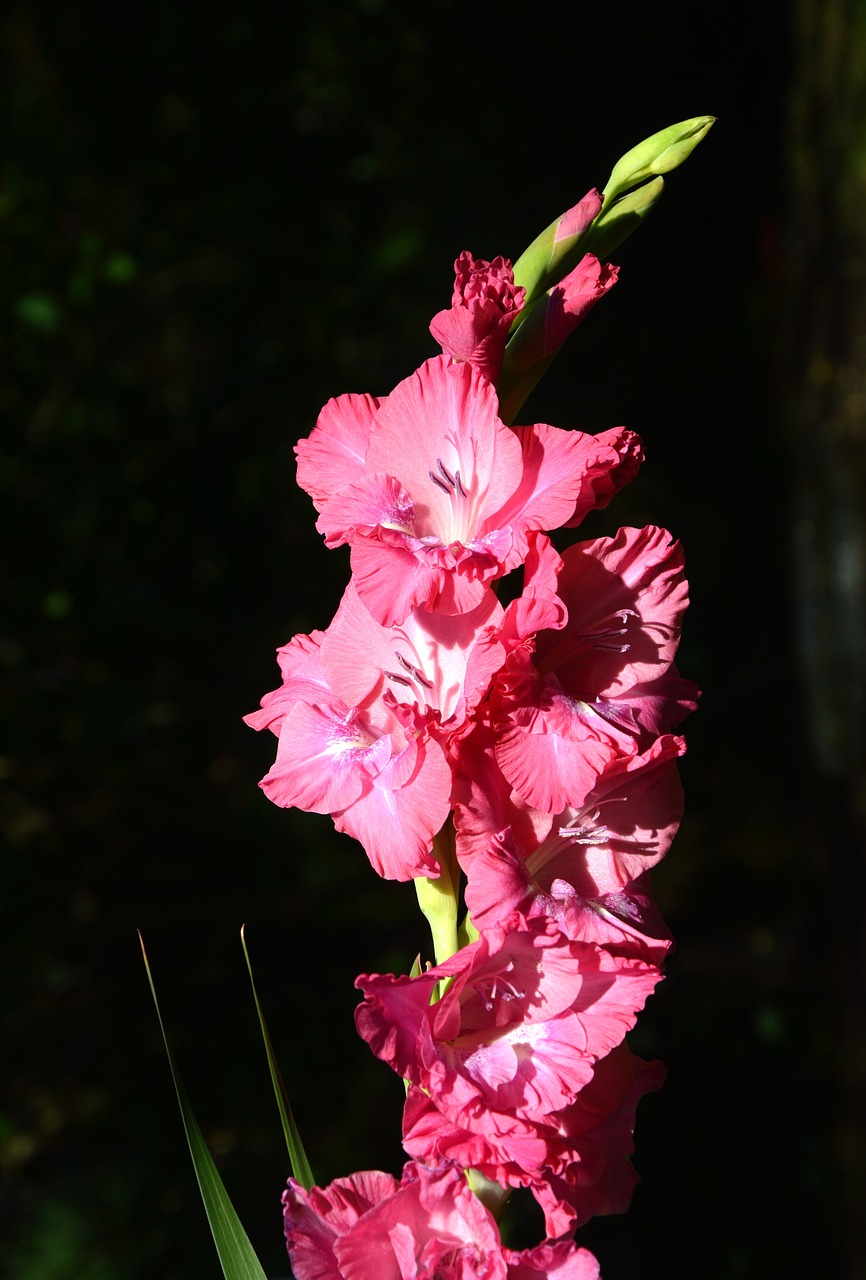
(576, 1163)
(515, 1036)
(448, 494)
(584, 866)
(598, 1129)
(429, 1225)
(576, 700)
(372, 766)
(483, 306)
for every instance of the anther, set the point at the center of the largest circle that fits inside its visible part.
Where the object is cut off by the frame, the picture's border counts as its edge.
(392, 675)
(414, 672)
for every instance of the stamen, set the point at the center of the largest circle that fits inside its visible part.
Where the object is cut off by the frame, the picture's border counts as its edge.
(414, 672)
(622, 615)
(447, 483)
(589, 831)
(497, 988)
(584, 835)
(571, 643)
(392, 675)
(445, 473)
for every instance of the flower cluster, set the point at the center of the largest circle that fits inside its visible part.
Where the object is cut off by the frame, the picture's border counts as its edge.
(532, 748)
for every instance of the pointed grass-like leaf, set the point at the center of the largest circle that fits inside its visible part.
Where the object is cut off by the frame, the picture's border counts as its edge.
(236, 1254)
(301, 1170)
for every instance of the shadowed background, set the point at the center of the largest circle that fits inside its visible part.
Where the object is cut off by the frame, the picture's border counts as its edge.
(211, 224)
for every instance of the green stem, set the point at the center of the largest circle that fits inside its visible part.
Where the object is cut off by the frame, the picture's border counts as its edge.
(491, 1194)
(439, 899)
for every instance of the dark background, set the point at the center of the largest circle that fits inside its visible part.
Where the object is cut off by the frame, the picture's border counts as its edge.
(212, 222)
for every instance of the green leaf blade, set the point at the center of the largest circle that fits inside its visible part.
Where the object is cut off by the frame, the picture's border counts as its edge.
(301, 1170)
(237, 1256)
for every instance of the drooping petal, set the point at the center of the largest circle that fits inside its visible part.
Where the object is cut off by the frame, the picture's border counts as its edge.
(396, 823)
(332, 456)
(320, 759)
(553, 748)
(625, 596)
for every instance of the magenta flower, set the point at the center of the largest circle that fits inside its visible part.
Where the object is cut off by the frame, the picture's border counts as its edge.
(515, 1036)
(484, 303)
(577, 699)
(373, 767)
(576, 1163)
(585, 867)
(429, 1226)
(448, 493)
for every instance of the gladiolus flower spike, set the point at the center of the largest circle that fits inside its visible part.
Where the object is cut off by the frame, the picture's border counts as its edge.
(518, 763)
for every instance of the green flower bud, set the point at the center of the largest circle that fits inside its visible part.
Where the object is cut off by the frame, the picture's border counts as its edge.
(659, 154)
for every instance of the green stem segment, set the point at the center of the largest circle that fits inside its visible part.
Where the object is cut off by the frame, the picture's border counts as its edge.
(439, 899)
(440, 902)
(493, 1196)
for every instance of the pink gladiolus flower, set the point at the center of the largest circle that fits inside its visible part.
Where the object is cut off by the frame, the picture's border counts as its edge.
(448, 493)
(568, 703)
(484, 304)
(583, 866)
(373, 767)
(515, 1036)
(576, 1163)
(370, 1227)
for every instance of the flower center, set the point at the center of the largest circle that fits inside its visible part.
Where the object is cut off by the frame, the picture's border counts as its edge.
(607, 636)
(459, 519)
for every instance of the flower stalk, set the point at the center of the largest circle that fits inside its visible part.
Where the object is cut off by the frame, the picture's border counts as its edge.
(439, 897)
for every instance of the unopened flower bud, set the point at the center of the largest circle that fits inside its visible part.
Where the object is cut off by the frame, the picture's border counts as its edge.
(664, 151)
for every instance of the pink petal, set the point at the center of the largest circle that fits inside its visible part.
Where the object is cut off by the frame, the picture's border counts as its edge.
(396, 826)
(318, 764)
(575, 221)
(332, 456)
(447, 413)
(551, 769)
(625, 597)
